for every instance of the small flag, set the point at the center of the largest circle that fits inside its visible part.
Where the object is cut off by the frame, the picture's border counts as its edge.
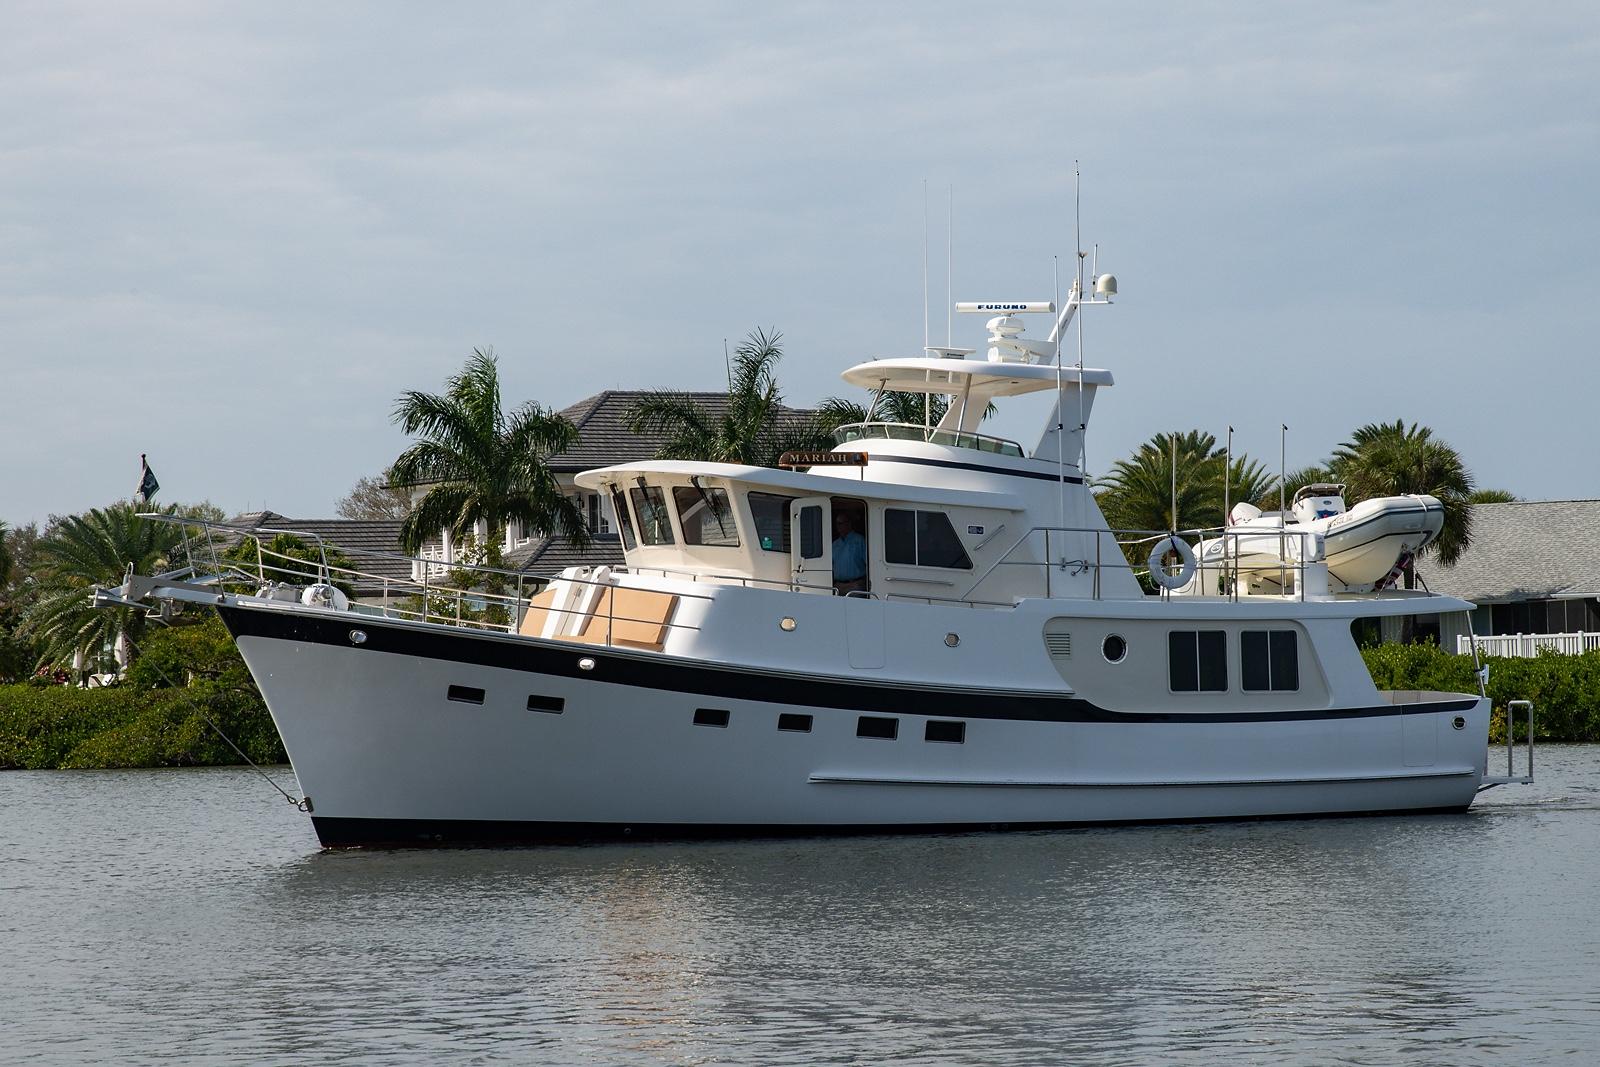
(148, 486)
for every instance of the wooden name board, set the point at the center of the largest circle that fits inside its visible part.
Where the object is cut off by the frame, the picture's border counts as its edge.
(822, 459)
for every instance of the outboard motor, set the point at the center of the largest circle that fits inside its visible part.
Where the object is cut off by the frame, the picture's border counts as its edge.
(1322, 501)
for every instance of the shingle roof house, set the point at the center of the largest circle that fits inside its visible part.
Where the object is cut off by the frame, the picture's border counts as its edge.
(1533, 567)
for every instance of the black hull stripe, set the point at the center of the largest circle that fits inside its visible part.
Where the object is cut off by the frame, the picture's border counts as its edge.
(1044, 476)
(674, 675)
(469, 833)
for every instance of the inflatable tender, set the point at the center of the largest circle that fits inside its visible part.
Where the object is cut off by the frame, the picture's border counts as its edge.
(1362, 546)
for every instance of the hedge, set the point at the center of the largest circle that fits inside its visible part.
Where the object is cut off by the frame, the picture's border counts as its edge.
(1565, 689)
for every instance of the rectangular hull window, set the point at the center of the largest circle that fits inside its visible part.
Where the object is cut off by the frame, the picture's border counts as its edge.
(952, 733)
(873, 726)
(1269, 660)
(1197, 661)
(799, 724)
(465, 694)
(553, 705)
(711, 717)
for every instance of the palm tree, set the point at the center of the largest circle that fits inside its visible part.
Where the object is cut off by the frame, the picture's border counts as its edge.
(87, 550)
(754, 429)
(1383, 459)
(1138, 493)
(482, 464)
(1492, 496)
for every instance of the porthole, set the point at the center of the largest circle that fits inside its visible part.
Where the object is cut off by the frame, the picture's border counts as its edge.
(1114, 648)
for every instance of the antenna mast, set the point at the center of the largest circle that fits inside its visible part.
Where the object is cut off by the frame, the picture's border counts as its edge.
(927, 398)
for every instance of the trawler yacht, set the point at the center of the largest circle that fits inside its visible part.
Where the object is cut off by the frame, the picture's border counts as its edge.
(997, 663)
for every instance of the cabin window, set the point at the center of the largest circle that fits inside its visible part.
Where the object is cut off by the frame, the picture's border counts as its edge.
(771, 515)
(946, 731)
(465, 694)
(922, 539)
(705, 516)
(553, 705)
(650, 505)
(1269, 661)
(711, 717)
(624, 520)
(1197, 661)
(793, 722)
(875, 726)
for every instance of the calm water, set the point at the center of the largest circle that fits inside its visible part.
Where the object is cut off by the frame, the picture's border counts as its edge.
(188, 916)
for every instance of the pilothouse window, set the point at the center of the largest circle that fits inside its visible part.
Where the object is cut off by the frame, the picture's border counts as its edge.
(651, 506)
(922, 539)
(624, 520)
(705, 516)
(771, 515)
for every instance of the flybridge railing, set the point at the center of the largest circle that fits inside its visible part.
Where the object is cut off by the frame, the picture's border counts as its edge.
(908, 431)
(491, 598)
(1063, 551)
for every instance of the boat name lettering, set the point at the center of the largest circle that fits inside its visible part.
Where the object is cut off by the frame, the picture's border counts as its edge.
(823, 459)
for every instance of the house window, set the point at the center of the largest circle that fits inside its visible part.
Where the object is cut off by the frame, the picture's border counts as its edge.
(595, 514)
(922, 539)
(771, 515)
(705, 516)
(1269, 661)
(624, 520)
(1197, 661)
(650, 505)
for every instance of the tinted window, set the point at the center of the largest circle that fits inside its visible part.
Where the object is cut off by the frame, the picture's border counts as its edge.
(1255, 672)
(937, 543)
(811, 532)
(1285, 660)
(1197, 661)
(1183, 663)
(922, 538)
(651, 507)
(711, 717)
(624, 520)
(1213, 661)
(873, 726)
(466, 694)
(899, 535)
(771, 516)
(795, 723)
(953, 733)
(705, 516)
(553, 705)
(1269, 660)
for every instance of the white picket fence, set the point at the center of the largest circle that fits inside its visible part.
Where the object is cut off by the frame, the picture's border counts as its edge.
(1528, 645)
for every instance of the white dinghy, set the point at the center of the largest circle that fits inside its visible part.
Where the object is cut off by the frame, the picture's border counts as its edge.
(1364, 547)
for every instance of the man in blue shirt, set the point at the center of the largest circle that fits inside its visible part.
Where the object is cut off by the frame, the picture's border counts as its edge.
(849, 556)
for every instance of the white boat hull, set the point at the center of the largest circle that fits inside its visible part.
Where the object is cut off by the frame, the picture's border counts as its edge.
(387, 757)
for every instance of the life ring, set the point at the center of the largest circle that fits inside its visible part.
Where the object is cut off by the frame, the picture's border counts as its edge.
(1186, 564)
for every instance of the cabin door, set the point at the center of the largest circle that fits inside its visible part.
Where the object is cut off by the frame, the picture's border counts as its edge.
(810, 545)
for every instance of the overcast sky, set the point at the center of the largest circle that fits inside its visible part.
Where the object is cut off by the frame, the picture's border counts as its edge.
(230, 235)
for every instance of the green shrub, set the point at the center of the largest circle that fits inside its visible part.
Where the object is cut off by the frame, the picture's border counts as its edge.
(1565, 690)
(62, 726)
